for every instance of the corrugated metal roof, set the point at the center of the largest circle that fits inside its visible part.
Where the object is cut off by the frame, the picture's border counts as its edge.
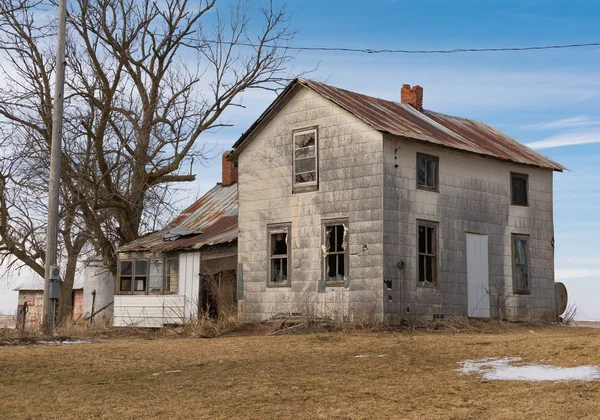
(432, 127)
(215, 215)
(37, 286)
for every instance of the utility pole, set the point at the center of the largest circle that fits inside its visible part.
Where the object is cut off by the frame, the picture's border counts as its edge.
(51, 276)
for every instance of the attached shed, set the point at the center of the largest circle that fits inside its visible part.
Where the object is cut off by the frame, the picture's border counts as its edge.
(186, 269)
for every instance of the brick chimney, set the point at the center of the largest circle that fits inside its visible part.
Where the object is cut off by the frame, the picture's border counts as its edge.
(230, 172)
(412, 96)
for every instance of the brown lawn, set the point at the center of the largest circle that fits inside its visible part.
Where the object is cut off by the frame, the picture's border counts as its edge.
(299, 376)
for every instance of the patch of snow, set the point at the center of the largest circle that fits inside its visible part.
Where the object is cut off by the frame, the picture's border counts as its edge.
(166, 372)
(54, 343)
(512, 369)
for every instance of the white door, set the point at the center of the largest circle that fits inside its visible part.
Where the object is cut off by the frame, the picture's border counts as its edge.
(478, 281)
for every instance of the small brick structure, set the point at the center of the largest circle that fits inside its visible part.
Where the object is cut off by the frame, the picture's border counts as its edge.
(31, 297)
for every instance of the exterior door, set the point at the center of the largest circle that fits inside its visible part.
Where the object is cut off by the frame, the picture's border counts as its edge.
(478, 281)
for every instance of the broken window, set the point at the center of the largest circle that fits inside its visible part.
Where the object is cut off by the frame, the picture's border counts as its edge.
(518, 188)
(144, 276)
(520, 253)
(172, 276)
(427, 172)
(279, 256)
(427, 245)
(336, 251)
(305, 158)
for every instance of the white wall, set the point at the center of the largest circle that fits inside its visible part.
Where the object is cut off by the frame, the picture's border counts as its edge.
(97, 277)
(157, 310)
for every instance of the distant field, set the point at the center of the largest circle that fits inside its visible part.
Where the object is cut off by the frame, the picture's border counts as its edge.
(7, 321)
(398, 375)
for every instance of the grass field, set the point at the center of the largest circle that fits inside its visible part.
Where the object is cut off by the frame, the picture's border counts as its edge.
(300, 376)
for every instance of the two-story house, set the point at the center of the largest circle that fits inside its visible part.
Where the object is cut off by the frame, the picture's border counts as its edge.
(352, 206)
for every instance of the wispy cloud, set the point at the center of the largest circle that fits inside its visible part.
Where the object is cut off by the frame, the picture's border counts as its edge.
(567, 139)
(565, 123)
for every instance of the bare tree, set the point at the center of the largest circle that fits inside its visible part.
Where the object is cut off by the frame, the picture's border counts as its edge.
(145, 80)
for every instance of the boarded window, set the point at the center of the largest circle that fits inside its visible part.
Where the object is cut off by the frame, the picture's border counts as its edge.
(279, 255)
(520, 251)
(172, 276)
(518, 188)
(305, 158)
(336, 247)
(125, 276)
(155, 277)
(427, 247)
(427, 172)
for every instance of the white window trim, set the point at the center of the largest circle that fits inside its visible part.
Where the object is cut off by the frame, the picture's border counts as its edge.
(311, 184)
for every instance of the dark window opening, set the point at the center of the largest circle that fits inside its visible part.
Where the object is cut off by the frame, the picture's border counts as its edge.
(518, 188)
(520, 264)
(279, 257)
(427, 267)
(336, 261)
(427, 172)
(125, 276)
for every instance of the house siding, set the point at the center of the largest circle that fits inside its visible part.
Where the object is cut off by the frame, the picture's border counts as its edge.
(350, 186)
(157, 310)
(474, 196)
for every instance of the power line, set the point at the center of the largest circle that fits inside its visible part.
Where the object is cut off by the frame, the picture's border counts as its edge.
(391, 51)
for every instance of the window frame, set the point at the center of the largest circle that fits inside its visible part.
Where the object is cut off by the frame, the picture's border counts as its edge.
(513, 238)
(131, 277)
(272, 230)
(427, 157)
(167, 276)
(149, 262)
(312, 185)
(521, 176)
(324, 225)
(435, 255)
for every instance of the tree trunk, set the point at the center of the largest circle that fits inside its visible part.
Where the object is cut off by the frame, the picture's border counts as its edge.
(65, 302)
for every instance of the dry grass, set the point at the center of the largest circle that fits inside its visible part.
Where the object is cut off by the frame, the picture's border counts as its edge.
(300, 376)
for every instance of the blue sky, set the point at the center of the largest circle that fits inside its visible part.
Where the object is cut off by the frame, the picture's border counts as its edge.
(550, 99)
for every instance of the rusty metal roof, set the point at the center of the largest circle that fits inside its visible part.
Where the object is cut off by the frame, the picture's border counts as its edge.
(215, 215)
(428, 126)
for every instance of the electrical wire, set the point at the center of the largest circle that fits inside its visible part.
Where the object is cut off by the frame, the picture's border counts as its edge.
(400, 51)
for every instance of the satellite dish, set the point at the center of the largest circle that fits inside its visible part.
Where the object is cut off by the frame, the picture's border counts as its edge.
(560, 298)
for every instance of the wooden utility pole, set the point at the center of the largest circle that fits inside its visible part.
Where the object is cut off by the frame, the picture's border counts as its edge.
(51, 279)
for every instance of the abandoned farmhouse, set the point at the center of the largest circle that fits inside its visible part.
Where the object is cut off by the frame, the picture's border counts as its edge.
(350, 206)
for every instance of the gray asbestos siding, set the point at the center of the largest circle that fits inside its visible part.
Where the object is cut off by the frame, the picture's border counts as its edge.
(350, 186)
(473, 197)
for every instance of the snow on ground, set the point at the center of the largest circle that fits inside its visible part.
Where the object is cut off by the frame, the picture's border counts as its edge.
(513, 369)
(56, 342)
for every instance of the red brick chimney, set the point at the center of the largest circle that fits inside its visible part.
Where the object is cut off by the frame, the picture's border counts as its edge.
(230, 172)
(412, 96)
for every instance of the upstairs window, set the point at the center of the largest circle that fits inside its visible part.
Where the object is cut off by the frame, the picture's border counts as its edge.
(305, 158)
(279, 255)
(336, 251)
(520, 251)
(427, 247)
(427, 172)
(518, 189)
